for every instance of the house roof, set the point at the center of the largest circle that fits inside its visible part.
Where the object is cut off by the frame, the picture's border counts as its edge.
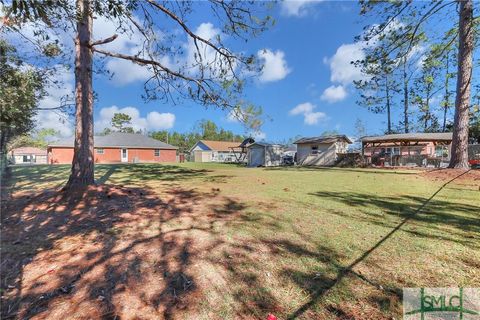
(220, 145)
(416, 137)
(324, 139)
(29, 150)
(264, 144)
(120, 140)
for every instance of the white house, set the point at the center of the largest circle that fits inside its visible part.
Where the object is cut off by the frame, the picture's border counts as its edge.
(321, 151)
(28, 155)
(215, 151)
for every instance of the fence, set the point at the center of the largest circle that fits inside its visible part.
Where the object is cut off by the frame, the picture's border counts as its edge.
(407, 161)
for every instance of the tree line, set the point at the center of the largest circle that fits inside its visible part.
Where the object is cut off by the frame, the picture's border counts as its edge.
(419, 60)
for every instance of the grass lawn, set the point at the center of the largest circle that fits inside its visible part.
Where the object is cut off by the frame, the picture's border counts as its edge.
(214, 241)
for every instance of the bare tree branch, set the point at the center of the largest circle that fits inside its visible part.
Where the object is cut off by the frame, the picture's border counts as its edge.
(104, 41)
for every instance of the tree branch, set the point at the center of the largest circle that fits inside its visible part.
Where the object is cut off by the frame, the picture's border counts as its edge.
(225, 52)
(201, 83)
(104, 41)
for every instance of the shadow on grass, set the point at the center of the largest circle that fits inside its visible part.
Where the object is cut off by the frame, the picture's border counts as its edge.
(432, 220)
(29, 177)
(105, 250)
(317, 294)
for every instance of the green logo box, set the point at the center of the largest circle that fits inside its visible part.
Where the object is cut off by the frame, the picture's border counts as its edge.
(441, 303)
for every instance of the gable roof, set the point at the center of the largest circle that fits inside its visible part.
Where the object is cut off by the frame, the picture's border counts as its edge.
(324, 139)
(219, 145)
(264, 144)
(417, 136)
(120, 140)
(29, 150)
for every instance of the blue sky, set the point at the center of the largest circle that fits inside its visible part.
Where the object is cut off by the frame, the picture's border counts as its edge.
(306, 87)
(306, 39)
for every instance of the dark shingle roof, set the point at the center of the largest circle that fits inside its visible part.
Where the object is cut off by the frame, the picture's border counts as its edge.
(120, 140)
(324, 139)
(439, 136)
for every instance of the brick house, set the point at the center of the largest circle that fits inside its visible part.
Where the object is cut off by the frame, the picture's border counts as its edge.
(115, 148)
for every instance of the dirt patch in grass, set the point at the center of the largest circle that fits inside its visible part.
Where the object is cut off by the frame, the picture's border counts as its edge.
(108, 252)
(461, 175)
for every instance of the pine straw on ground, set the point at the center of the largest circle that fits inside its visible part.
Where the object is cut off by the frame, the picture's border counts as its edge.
(107, 252)
(461, 176)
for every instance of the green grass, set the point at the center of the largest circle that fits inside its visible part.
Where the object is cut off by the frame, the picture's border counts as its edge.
(313, 242)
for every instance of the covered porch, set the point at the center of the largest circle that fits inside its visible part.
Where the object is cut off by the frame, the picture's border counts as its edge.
(408, 150)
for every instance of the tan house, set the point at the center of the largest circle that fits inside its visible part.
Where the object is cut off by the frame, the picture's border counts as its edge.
(215, 151)
(321, 151)
(28, 155)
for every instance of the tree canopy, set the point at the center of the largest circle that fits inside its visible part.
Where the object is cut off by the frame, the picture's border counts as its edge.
(21, 87)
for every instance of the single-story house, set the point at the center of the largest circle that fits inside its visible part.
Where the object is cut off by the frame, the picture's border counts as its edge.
(117, 147)
(215, 151)
(321, 151)
(407, 148)
(262, 154)
(28, 155)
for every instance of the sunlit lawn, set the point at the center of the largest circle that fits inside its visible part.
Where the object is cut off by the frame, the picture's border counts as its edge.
(297, 242)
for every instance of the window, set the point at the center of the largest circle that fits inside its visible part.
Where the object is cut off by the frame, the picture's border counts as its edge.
(441, 151)
(156, 153)
(100, 151)
(314, 150)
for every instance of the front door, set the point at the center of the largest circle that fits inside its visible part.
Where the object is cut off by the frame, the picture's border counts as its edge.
(124, 155)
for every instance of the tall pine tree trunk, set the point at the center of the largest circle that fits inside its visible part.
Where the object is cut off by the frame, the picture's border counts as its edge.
(446, 97)
(83, 165)
(389, 118)
(405, 95)
(459, 153)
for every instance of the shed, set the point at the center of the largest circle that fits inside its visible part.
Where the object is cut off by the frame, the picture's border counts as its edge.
(262, 154)
(321, 151)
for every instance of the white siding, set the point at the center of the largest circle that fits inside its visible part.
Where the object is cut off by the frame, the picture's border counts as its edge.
(267, 156)
(326, 155)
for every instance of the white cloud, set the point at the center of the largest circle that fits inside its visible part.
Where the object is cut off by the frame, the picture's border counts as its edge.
(275, 66)
(309, 116)
(160, 121)
(208, 32)
(334, 93)
(302, 108)
(296, 8)
(314, 117)
(54, 118)
(153, 121)
(126, 42)
(125, 72)
(343, 72)
(341, 67)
